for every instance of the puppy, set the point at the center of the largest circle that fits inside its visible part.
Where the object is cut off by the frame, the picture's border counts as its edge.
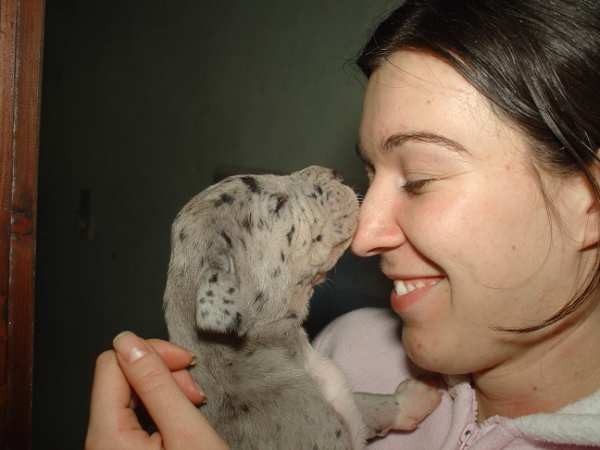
(246, 255)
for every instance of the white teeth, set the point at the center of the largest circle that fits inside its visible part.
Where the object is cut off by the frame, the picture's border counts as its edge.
(404, 287)
(400, 287)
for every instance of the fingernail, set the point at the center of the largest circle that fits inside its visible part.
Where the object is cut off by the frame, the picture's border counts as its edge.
(203, 400)
(129, 346)
(193, 361)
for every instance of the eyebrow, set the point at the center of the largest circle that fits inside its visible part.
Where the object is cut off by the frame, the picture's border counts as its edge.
(398, 139)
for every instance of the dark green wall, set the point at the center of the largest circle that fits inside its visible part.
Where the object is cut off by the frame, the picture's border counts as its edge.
(143, 102)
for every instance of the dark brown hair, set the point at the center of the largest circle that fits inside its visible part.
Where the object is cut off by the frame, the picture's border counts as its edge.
(536, 61)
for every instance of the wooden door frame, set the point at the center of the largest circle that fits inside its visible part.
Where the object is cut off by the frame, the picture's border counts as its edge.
(21, 38)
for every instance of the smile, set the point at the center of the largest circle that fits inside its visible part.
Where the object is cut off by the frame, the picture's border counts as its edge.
(407, 293)
(403, 287)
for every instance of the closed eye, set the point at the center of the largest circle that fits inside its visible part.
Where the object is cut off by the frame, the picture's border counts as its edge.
(416, 187)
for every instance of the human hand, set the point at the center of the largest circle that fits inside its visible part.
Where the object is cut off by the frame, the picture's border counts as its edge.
(155, 371)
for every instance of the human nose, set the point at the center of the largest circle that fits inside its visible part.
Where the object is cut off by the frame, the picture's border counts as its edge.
(378, 230)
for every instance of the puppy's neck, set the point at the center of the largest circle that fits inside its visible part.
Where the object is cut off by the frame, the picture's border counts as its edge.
(276, 330)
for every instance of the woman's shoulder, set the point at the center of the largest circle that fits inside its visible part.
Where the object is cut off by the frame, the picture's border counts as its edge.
(366, 344)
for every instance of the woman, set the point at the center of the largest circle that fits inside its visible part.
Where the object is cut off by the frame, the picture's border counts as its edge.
(480, 133)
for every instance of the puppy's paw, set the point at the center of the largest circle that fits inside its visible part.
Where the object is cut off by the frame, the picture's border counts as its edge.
(415, 400)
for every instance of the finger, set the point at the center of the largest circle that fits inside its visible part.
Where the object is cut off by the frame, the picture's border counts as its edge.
(189, 387)
(177, 419)
(110, 397)
(175, 357)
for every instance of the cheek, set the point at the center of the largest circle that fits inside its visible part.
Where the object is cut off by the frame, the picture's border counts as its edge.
(497, 235)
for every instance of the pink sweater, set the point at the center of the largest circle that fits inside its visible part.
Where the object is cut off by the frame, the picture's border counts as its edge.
(366, 345)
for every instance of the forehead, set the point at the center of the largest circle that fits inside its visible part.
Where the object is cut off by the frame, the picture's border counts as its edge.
(414, 91)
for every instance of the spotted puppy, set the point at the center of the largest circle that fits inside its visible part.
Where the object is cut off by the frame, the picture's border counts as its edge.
(246, 255)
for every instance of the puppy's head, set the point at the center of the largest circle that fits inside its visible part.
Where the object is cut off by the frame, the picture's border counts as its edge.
(249, 250)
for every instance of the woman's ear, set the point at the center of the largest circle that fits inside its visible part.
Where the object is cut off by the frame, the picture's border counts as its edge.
(592, 231)
(585, 206)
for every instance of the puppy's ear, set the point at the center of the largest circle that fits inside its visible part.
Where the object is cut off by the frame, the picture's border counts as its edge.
(218, 296)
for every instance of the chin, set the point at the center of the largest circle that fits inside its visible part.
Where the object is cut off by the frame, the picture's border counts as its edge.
(433, 352)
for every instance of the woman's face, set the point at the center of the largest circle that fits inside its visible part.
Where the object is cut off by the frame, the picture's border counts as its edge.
(455, 210)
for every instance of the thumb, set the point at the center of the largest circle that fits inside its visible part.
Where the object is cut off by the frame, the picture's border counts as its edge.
(180, 424)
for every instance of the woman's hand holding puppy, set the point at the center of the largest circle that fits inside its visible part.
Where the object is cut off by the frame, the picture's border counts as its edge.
(154, 371)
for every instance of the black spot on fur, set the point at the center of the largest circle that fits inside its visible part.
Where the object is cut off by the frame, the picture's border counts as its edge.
(202, 301)
(230, 290)
(182, 235)
(318, 189)
(276, 272)
(282, 257)
(292, 315)
(259, 298)
(224, 198)
(290, 234)
(281, 201)
(227, 301)
(238, 321)
(226, 312)
(252, 184)
(247, 223)
(227, 238)
(214, 278)
(210, 293)
(244, 407)
(319, 238)
(338, 433)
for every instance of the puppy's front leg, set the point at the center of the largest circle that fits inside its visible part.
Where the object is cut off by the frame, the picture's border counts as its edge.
(337, 392)
(403, 410)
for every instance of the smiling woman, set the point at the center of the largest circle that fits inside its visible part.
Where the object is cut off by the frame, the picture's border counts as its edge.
(473, 220)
